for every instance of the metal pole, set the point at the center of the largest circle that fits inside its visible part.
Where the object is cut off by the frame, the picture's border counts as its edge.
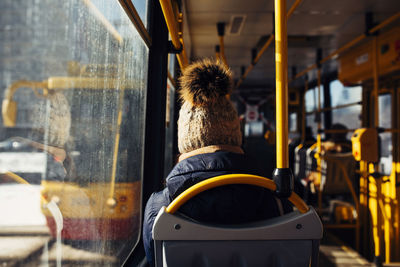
(376, 81)
(282, 175)
(303, 112)
(375, 209)
(170, 20)
(282, 159)
(319, 142)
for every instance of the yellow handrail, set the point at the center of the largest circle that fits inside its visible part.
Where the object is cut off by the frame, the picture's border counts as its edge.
(266, 45)
(281, 63)
(222, 50)
(231, 179)
(319, 139)
(171, 22)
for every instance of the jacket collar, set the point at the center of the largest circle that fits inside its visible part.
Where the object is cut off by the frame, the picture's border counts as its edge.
(203, 166)
(211, 149)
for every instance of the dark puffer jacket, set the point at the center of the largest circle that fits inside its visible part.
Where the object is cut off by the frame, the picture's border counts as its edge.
(230, 204)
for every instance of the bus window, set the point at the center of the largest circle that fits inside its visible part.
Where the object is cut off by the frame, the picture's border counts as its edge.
(254, 128)
(310, 122)
(342, 95)
(76, 79)
(142, 9)
(169, 160)
(311, 101)
(169, 157)
(293, 122)
(385, 121)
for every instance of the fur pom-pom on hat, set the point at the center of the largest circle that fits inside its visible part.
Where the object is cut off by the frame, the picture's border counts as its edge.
(205, 81)
(207, 117)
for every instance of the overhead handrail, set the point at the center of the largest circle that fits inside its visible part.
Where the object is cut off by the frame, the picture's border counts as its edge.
(171, 22)
(356, 40)
(379, 129)
(265, 46)
(227, 180)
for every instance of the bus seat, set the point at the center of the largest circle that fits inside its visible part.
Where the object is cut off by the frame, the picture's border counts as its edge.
(304, 161)
(288, 240)
(333, 180)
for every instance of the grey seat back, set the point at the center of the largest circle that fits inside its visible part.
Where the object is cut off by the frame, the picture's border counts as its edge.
(288, 240)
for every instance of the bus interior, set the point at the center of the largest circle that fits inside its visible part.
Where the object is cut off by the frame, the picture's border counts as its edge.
(89, 93)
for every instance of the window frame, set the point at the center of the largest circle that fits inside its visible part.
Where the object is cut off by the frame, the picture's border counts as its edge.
(133, 15)
(154, 138)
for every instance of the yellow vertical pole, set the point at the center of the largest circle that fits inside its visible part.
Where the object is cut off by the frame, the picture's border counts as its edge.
(282, 150)
(388, 196)
(376, 84)
(375, 184)
(364, 204)
(374, 210)
(217, 56)
(217, 53)
(396, 172)
(303, 112)
(222, 51)
(319, 144)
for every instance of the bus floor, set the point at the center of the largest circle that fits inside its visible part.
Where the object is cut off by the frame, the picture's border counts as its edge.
(334, 253)
(34, 247)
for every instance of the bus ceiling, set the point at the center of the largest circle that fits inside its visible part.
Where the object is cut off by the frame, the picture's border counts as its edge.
(246, 41)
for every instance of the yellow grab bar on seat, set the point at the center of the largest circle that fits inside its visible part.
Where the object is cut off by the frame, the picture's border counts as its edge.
(231, 179)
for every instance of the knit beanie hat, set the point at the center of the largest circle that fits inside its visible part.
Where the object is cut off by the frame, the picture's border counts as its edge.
(207, 117)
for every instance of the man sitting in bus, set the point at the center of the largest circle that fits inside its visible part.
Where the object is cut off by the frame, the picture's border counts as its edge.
(209, 140)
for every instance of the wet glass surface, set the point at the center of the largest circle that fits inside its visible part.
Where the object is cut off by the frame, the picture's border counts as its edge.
(73, 83)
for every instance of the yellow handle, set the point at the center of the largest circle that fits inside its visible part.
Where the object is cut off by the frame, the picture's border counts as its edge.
(231, 179)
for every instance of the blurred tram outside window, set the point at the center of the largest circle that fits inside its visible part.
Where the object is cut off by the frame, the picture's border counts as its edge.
(71, 150)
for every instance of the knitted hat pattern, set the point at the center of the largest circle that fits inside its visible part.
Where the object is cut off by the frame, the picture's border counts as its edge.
(207, 117)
